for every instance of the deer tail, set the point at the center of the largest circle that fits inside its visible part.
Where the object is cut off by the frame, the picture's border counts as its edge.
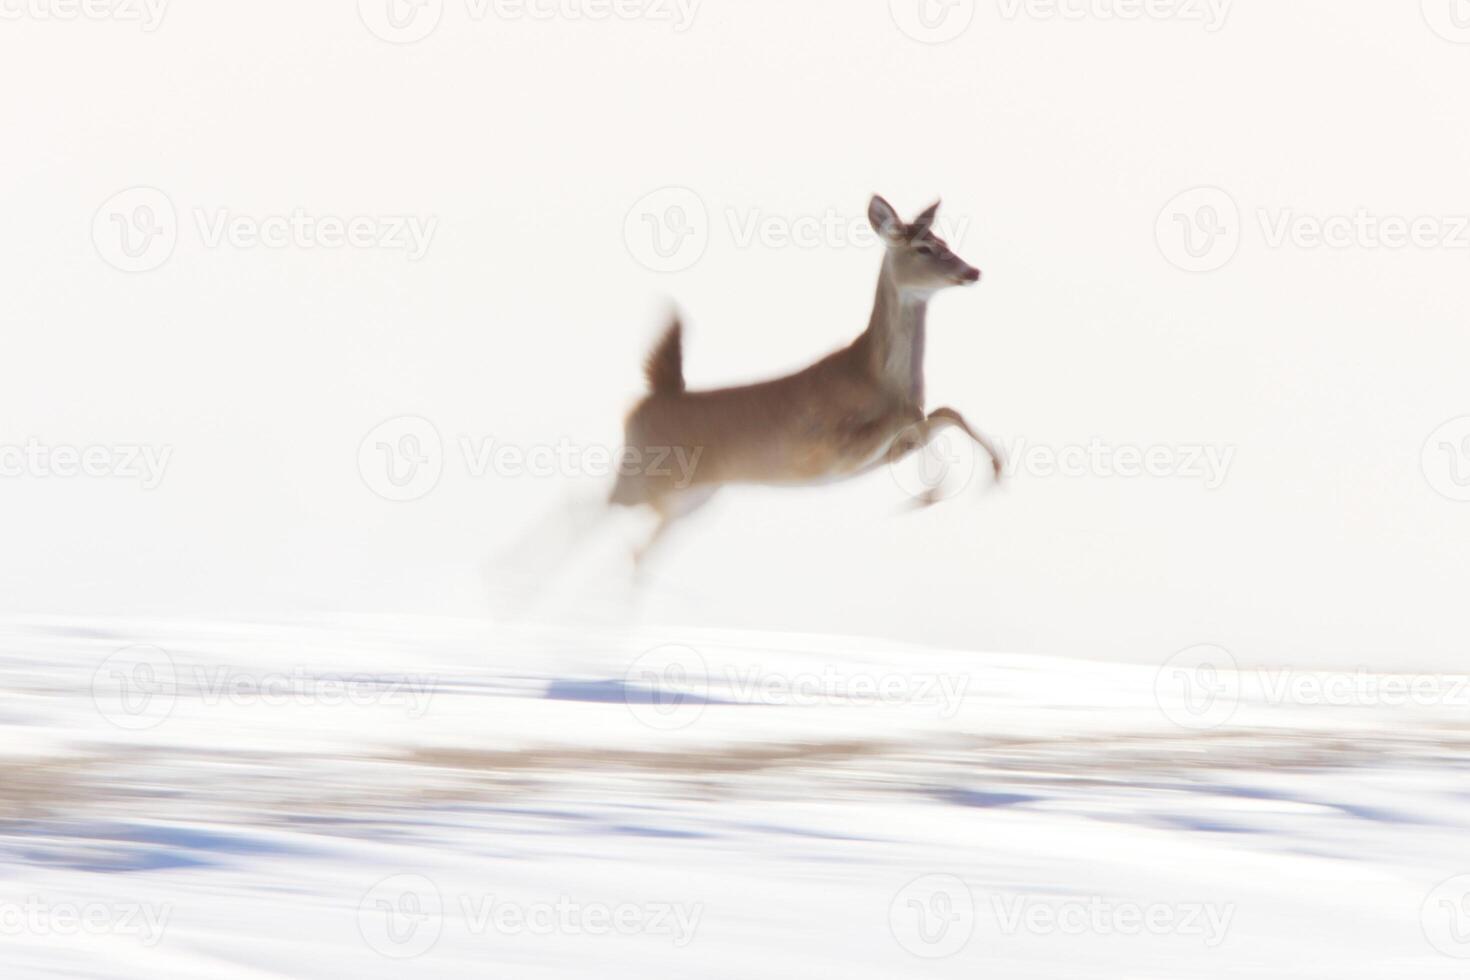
(665, 365)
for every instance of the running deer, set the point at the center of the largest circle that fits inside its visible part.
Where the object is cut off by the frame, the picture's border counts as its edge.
(851, 412)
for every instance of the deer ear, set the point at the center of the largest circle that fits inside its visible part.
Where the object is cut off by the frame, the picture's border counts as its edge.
(885, 220)
(924, 221)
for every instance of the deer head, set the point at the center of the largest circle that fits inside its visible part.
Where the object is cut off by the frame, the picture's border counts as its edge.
(918, 260)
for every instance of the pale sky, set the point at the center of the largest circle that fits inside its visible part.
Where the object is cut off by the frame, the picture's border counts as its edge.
(498, 288)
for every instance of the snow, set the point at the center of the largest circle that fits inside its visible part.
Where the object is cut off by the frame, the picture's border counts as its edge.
(376, 797)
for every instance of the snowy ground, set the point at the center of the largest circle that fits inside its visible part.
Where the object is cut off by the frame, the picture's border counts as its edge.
(449, 799)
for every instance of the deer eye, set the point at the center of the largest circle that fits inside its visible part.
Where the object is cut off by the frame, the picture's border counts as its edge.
(926, 250)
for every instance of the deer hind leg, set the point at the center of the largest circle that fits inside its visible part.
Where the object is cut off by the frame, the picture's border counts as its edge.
(671, 508)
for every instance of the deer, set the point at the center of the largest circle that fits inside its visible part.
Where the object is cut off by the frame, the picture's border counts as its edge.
(853, 411)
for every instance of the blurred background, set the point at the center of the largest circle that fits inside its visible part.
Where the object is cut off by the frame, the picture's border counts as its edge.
(321, 321)
(525, 137)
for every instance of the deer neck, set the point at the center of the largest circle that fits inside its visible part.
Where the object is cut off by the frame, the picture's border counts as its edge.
(894, 340)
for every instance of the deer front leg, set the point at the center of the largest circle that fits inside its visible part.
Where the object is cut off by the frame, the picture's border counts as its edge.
(920, 434)
(948, 416)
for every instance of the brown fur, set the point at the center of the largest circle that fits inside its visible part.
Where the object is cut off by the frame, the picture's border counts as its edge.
(664, 368)
(842, 416)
